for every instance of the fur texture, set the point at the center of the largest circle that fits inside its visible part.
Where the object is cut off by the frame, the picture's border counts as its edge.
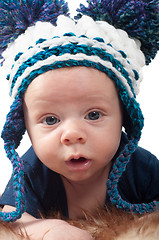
(114, 224)
(7, 232)
(119, 225)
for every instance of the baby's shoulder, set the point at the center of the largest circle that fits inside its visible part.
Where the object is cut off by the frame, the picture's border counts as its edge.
(139, 182)
(143, 158)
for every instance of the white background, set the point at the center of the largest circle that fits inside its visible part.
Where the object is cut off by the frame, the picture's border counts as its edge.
(148, 99)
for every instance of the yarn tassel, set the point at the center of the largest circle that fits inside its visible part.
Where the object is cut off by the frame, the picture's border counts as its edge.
(140, 19)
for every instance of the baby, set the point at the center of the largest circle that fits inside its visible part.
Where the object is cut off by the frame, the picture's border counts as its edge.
(73, 84)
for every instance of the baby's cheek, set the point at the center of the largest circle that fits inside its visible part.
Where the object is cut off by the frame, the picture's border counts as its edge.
(109, 146)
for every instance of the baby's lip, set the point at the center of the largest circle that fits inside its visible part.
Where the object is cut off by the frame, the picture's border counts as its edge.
(76, 157)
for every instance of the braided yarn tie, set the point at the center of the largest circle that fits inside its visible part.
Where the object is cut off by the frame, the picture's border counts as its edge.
(112, 184)
(14, 127)
(18, 187)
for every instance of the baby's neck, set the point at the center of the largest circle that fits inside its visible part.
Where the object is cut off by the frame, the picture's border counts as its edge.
(85, 196)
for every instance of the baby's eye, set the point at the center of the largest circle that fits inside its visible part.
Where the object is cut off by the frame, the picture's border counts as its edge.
(51, 120)
(94, 115)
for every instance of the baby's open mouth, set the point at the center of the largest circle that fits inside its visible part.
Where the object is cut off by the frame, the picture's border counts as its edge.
(81, 159)
(78, 164)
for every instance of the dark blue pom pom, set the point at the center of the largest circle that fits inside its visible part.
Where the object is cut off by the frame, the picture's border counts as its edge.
(17, 15)
(140, 19)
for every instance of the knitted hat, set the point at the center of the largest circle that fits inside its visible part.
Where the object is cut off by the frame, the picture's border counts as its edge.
(117, 37)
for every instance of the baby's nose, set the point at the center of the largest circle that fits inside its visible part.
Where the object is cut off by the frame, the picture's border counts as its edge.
(72, 136)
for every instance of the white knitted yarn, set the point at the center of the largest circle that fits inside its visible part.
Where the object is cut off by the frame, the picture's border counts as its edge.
(118, 38)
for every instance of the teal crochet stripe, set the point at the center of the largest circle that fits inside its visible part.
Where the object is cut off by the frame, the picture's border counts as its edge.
(26, 81)
(61, 64)
(73, 49)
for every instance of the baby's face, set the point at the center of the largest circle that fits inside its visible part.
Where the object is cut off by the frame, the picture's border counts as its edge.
(74, 119)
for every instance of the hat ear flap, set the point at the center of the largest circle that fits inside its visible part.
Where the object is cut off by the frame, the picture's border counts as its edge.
(14, 127)
(12, 133)
(133, 119)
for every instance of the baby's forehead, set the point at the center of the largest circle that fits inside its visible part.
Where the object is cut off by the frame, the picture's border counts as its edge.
(76, 82)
